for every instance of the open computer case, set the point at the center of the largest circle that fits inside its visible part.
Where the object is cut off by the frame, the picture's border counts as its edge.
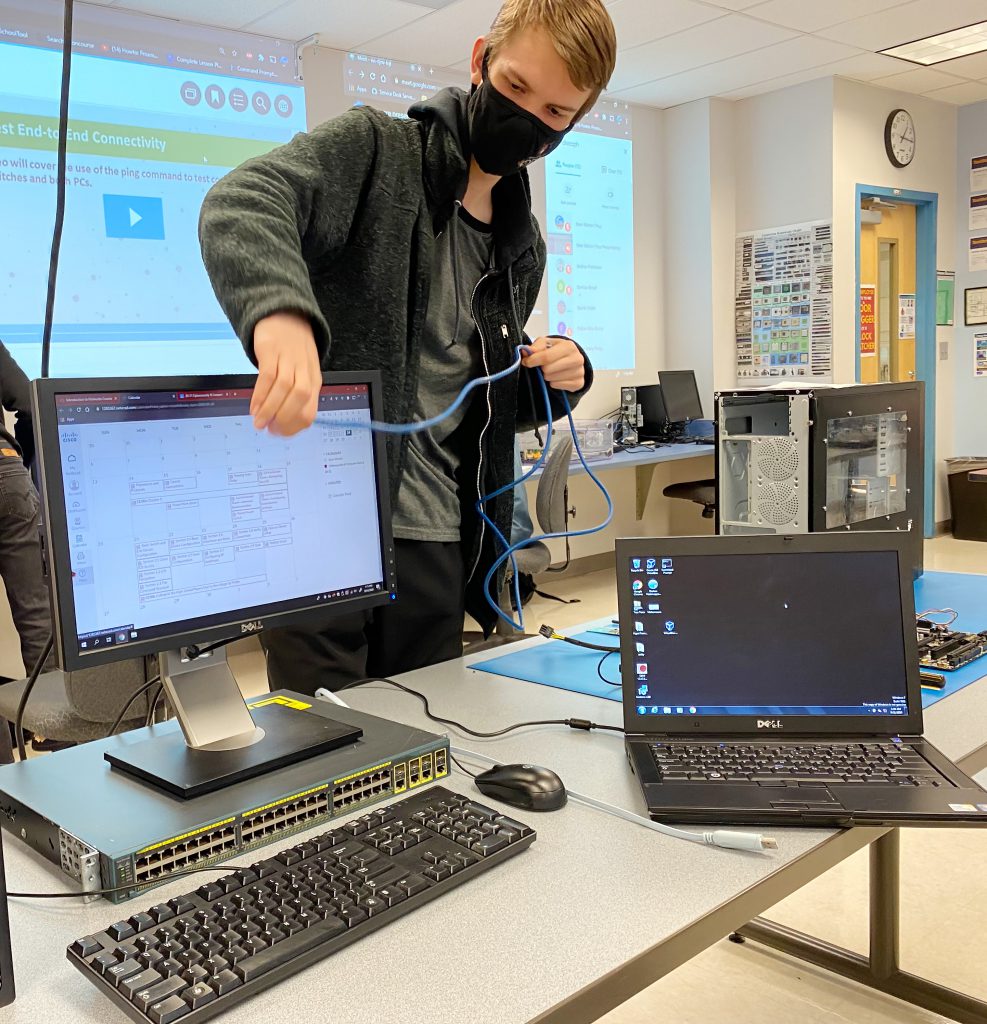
(808, 460)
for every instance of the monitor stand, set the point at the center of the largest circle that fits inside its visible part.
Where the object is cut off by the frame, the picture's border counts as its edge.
(221, 741)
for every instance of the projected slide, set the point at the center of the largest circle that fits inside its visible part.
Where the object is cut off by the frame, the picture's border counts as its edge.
(160, 110)
(583, 196)
(590, 233)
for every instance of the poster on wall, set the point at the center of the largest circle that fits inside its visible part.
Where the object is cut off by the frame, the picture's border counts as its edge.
(980, 355)
(783, 289)
(978, 212)
(978, 254)
(945, 298)
(906, 317)
(978, 174)
(868, 320)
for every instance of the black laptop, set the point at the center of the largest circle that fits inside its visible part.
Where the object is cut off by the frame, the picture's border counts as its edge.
(775, 679)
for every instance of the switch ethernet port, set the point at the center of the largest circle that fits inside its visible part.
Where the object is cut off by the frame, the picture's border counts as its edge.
(426, 766)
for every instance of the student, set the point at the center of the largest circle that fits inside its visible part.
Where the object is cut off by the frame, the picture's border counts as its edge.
(20, 547)
(410, 247)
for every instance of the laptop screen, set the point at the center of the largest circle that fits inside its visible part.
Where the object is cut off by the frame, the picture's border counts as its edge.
(763, 634)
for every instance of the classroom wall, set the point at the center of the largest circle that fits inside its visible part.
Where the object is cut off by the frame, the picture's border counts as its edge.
(970, 410)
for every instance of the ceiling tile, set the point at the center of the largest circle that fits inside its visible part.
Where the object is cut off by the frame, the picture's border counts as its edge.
(910, 21)
(339, 23)
(733, 5)
(225, 13)
(696, 47)
(811, 15)
(967, 92)
(866, 67)
(640, 21)
(444, 37)
(918, 80)
(793, 57)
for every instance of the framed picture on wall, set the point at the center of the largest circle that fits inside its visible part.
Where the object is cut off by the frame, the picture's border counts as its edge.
(975, 307)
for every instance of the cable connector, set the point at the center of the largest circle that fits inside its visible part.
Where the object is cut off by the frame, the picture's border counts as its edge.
(548, 633)
(729, 840)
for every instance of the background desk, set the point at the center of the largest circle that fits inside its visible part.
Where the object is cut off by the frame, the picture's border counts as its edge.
(643, 463)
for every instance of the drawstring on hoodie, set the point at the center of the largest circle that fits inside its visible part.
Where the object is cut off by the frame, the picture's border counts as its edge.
(454, 248)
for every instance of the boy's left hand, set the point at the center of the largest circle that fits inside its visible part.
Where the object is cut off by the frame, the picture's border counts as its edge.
(561, 362)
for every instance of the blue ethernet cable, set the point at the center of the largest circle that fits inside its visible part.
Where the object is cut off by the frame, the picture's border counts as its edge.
(510, 550)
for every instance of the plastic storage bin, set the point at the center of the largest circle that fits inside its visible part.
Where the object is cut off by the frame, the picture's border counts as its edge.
(967, 499)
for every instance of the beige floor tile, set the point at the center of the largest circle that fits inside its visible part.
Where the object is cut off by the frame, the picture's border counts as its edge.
(730, 984)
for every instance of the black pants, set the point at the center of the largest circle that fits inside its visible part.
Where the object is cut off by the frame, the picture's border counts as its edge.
(423, 627)
(20, 559)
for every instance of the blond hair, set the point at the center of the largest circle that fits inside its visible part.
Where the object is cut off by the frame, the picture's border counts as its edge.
(581, 31)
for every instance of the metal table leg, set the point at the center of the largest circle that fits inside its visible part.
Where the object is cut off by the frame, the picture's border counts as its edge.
(880, 969)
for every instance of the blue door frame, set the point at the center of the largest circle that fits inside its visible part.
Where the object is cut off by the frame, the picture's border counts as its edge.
(926, 232)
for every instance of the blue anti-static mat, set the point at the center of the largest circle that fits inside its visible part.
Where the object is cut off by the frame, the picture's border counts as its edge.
(569, 668)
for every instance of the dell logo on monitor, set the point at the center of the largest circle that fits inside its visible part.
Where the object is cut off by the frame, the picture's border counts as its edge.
(251, 627)
(770, 723)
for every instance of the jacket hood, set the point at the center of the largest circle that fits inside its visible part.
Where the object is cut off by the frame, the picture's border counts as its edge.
(445, 122)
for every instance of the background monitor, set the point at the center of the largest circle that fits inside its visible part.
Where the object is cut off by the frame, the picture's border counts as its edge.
(170, 520)
(681, 395)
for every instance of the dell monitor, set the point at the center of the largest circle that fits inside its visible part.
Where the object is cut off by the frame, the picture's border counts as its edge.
(681, 396)
(170, 522)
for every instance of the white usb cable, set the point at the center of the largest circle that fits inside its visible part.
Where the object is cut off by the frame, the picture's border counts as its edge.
(726, 838)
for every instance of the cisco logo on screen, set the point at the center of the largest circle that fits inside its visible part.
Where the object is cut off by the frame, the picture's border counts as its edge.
(770, 723)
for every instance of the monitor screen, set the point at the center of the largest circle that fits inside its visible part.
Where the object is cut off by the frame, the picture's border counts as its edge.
(681, 395)
(769, 634)
(169, 514)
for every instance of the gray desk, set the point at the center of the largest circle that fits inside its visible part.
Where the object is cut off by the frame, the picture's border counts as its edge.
(595, 911)
(643, 463)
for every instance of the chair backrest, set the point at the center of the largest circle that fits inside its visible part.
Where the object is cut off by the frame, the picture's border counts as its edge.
(550, 504)
(98, 694)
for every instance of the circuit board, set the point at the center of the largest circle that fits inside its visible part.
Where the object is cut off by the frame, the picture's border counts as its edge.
(943, 648)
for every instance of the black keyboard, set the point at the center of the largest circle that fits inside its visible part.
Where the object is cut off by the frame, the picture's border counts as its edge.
(195, 955)
(773, 764)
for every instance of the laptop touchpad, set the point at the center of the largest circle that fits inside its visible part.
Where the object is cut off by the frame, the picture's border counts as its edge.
(812, 795)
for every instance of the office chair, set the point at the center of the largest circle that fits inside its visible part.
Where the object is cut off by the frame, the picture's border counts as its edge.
(552, 512)
(702, 492)
(78, 706)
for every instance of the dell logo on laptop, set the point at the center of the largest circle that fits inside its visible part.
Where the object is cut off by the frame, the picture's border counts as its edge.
(251, 627)
(770, 723)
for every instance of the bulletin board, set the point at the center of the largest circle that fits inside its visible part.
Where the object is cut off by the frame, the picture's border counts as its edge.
(784, 304)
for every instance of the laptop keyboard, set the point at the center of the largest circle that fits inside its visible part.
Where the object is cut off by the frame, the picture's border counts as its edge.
(779, 764)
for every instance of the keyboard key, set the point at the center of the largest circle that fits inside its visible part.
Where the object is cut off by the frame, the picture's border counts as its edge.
(136, 982)
(121, 930)
(225, 982)
(141, 922)
(270, 959)
(145, 997)
(210, 892)
(168, 1010)
(121, 971)
(86, 946)
(199, 995)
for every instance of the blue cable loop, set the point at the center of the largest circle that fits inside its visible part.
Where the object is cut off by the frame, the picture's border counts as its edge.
(509, 549)
(512, 549)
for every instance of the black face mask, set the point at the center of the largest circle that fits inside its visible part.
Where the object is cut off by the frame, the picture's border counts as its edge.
(503, 136)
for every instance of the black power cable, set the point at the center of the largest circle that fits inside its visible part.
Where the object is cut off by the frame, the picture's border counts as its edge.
(137, 693)
(581, 724)
(56, 238)
(56, 245)
(22, 703)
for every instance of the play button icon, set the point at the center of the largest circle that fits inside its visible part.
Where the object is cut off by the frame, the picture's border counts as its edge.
(138, 217)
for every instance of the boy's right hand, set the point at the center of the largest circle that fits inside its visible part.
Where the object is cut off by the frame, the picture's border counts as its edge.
(289, 378)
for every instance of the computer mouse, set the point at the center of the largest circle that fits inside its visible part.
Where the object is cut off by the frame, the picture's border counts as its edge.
(523, 785)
